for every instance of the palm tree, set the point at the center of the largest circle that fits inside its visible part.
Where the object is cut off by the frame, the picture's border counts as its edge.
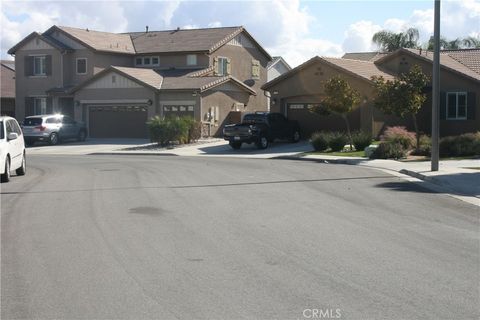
(471, 42)
(390, 41)
(459, 43)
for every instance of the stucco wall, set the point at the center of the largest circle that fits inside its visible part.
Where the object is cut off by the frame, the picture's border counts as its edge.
(241, 66)
(224, 100)
(306, 86)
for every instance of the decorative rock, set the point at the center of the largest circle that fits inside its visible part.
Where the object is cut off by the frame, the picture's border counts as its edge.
(369, 150)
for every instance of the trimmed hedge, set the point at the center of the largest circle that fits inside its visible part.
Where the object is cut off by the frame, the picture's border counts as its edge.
(319, 141)
(467, 144)
(361, 140)
(389, 150)
(165, 131)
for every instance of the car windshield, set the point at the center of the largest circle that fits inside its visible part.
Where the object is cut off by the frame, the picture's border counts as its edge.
(32, 121)
(2, 134)
(254, 118)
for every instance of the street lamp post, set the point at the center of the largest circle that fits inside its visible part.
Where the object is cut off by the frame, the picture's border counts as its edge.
(436, 89)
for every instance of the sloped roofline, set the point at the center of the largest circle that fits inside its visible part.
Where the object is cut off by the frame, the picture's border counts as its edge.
(71, 36)
(107, 70)
(40, 36)
(224, 80)
(204, 88)
(310, 62)
(239, 30)
(397, 52)
(277, 60)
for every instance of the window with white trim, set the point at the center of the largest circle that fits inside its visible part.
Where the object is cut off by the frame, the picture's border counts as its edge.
(191, 59)
(138, 61)
(82, 66)
(39, 66)
(456, 106)
(222, 66)
(40, 105)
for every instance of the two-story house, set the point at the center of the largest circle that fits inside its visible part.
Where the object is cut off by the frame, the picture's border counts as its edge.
(116, 82)
(294, 92)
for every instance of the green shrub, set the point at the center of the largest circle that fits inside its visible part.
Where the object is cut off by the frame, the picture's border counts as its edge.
(168, 130)
(467, 144)
(361, 140)
(194, 130)
(337, 141)
(319, 141)
(425, 146)
(389, 150)
(399, 135)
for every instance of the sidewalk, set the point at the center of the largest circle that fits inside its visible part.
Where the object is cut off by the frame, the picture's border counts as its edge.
(457, 177)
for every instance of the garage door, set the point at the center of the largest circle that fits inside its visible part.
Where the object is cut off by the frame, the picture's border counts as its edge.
(309, 121)
(118, 122)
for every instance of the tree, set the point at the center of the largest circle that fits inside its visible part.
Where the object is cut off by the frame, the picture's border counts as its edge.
(459, 43)
(340, 98)
(389, 41)
(402, 96)
(471, 42)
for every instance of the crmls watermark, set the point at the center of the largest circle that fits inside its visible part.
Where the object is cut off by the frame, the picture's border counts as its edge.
(322, 313)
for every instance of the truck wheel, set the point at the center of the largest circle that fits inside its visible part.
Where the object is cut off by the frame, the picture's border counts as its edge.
(235, 145)
(262, 143)
(295, 136)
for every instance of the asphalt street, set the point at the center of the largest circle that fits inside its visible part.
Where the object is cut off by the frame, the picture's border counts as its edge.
(165, 237)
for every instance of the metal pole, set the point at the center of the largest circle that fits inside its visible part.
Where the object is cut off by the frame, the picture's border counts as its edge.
(436, 89)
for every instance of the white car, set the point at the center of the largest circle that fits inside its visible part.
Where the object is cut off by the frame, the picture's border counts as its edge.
(12, 149)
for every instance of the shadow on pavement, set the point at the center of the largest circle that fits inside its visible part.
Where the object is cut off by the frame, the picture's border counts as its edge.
(249, 149)
(405, 186)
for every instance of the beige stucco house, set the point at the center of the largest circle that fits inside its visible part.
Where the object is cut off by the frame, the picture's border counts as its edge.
(7, 88)
(116, 82)
(296, 90)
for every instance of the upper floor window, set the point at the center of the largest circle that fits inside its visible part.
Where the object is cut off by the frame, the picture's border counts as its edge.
(222, 66)
(81, 65)
(191, 59)
(147, 61)
(255, 69)
(456, 105)
(39, 66)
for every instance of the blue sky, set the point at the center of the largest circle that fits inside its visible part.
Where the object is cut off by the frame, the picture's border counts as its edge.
(295, 29)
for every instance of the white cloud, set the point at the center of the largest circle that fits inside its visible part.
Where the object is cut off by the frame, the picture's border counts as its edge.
(358, 36)
(18, 19)
(290, 32)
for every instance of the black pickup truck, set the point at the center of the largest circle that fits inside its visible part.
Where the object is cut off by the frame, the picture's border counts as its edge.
(261, 128)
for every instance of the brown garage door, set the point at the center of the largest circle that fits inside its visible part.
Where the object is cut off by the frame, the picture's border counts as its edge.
(118, 122)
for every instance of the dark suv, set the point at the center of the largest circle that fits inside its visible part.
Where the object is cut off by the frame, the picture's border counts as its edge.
(261, 128)
(52, 128)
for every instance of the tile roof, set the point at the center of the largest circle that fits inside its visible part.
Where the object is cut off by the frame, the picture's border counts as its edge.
(183, 40)
(188, 79)
(102, 41)
(468, 57)
(175, 79)
(7, 80)
(363, 69)
(457, 61)
(364, 56)
(146, 76)
(275, 60)
(56, 44)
